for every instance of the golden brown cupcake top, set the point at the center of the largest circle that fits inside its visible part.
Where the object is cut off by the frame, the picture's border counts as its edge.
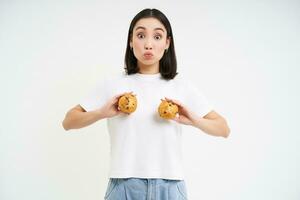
(127, 103)
(167, 109)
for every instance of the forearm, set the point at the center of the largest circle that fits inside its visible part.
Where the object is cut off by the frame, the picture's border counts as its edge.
(215, 127)
(76, 120)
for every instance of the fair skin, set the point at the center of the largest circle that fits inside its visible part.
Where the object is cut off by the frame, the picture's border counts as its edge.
(149, 36)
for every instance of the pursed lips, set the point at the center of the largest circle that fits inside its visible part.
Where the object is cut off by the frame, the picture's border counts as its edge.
(148, 54)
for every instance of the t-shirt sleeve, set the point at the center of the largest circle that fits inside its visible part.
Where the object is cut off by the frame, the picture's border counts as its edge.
(96, 98)
(196, 100)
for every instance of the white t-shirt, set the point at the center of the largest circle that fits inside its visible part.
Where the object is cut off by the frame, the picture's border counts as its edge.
(143, 144)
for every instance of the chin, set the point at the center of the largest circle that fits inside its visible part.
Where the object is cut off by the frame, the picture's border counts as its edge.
(148, 63)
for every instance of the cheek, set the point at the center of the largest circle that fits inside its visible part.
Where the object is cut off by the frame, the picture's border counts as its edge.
(161, 46)
(138, 48)
(161, 49)
(138, 44)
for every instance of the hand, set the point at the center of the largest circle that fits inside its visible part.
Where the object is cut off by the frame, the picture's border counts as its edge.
(111, 108)
(185, 116)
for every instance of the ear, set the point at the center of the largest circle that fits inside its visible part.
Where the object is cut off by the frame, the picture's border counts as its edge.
(130, 42)
(168, 41)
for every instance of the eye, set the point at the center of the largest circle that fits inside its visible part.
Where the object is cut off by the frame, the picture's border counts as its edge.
(157, 37)
(139, 35)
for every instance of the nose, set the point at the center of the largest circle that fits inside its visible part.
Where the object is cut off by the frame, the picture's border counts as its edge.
(148, 45)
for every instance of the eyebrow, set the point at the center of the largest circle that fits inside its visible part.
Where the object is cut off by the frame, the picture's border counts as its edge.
(141, 27)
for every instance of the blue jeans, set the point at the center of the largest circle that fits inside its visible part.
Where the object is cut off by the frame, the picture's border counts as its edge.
(145, 189)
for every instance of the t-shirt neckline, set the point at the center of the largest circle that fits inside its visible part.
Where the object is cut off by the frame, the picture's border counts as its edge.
(149, 77)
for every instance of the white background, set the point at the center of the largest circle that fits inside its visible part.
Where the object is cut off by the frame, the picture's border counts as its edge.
(244, 56)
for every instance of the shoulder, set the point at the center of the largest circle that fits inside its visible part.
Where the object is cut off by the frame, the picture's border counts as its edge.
(113, 78)
(182, 81)
(188, 85)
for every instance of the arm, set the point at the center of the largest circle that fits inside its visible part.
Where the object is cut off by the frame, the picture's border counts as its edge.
(212, 123)
(77, 117)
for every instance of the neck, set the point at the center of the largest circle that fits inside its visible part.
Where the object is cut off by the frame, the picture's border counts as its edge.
(148, 69)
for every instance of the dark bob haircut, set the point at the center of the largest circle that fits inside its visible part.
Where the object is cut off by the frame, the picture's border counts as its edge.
(168, 63)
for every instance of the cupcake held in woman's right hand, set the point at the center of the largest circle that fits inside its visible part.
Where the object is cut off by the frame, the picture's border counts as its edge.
(127, 103)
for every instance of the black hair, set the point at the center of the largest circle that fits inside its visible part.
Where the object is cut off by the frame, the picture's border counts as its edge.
(168, 63)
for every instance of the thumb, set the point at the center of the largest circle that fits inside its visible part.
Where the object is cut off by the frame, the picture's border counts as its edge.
(176, 118)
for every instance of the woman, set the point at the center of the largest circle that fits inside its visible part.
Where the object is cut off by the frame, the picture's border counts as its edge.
(146, 159)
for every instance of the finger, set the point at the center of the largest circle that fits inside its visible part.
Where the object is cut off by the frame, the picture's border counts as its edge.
(115, 101)
(118, 95)
(176, 119)
(121, 94)
(132, 93)
(119, 112)
(168, 99)
(174, 101)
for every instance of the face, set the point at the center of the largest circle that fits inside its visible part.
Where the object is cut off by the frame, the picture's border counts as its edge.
(149, 41)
